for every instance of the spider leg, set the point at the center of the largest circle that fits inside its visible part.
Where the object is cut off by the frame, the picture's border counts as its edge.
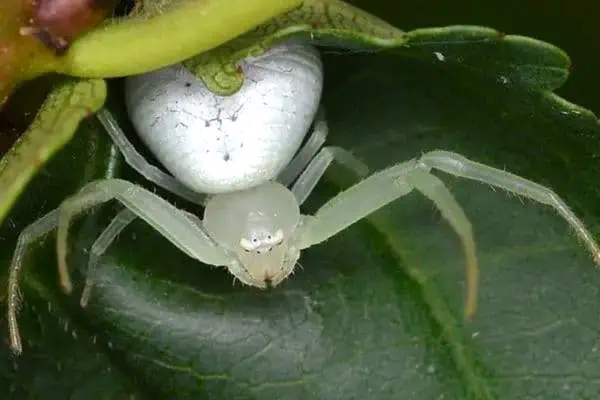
(315, 170)
(458, 165)
(29, 235)
(108, 236)
(315, 141)
(116, 226)
(141, 165)
(380, 189)
(435, 190)
(174, 224)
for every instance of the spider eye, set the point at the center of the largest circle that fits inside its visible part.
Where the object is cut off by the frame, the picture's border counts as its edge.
(247, 245)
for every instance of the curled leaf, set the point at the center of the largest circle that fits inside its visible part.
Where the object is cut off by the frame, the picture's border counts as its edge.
(137, 45)
(508, 59)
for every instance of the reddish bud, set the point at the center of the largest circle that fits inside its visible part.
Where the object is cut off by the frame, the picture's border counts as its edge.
(57, 22)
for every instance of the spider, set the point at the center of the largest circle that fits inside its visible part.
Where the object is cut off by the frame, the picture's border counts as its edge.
(252, 194)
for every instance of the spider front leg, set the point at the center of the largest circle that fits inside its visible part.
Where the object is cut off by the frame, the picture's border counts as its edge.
(175, 225)
(382, 188)
(386, 186)
(29, 235)
(108, 236)
(458, 165)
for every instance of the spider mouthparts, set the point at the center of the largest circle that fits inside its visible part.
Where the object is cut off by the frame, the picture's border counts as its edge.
(268, 281)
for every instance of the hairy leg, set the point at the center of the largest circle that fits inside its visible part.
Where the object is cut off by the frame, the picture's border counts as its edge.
(387, 185)
(30, 234)
(435, 190)
(173, 223)
(458, 165)
(116, 226)
(382, 188)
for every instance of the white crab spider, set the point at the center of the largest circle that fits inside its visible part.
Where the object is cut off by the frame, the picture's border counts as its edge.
(258, 232)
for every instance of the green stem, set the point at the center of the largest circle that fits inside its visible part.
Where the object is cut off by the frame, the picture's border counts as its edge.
(136, 45)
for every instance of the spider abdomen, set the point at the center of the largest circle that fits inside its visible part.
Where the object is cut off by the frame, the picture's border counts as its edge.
(217, 144)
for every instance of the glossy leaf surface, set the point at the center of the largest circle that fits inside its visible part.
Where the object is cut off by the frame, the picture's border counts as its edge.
(375, 312)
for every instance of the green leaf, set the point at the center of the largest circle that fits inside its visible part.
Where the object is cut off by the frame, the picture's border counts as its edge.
(509, 59)
(54, 125)
(61, 358)
(130, 46)
(376, 311)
